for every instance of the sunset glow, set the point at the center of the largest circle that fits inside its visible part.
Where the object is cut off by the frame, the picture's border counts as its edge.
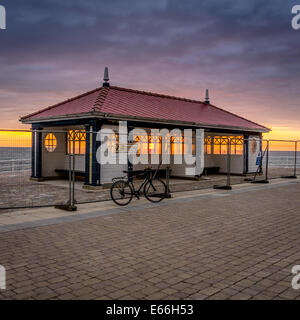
(23, 139)
(283, 133)
(248, 61)
(15, 139)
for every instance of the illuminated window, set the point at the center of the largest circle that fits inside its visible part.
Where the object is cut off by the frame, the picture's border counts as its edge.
(148, 144)
(207, 145)
(176, 145)
(50, 142)
(189, 144)
(142, 142)
(217, 141)
(154, 144)
(113, 143)
(219, 145)
(76, 142)
(238, 143)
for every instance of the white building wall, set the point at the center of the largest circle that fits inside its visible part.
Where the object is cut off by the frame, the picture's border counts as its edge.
(79, 163)
(110, 171)
(58, 159)
(220, 160)
(53, 160)
(187, 170)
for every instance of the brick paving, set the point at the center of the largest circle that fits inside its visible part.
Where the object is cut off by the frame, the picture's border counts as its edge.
(241, 245)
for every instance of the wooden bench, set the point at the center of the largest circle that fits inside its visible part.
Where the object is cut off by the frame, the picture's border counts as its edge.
(211, 170)
(80, 175)
(139, 173)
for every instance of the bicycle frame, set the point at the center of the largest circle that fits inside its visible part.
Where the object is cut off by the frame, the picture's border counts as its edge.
(137, 192)
(148, 175)
(147, 178)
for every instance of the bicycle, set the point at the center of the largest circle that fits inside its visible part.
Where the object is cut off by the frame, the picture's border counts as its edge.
(123, 190)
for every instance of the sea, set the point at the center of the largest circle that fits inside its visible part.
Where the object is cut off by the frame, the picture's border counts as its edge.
(19, 159)
(283, 159)
(15, 159)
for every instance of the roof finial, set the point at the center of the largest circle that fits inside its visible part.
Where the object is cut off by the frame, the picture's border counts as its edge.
(106, 78)
(207, 97)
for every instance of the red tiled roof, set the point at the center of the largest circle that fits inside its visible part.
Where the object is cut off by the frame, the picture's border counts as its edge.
(133, 103)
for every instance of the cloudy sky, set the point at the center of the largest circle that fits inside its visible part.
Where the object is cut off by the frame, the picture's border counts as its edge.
(245, 52)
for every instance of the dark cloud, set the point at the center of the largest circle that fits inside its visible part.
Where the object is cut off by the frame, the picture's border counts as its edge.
(245, 51)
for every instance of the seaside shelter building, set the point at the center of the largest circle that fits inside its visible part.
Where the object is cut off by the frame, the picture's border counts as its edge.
(71, 126)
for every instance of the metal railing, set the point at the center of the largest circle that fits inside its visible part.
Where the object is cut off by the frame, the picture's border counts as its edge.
(278, 159)
(17, 190)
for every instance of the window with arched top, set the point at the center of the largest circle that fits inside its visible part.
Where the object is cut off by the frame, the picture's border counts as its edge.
(50, 142)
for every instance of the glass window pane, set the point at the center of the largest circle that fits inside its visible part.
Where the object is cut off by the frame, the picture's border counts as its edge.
(239, 149)
(208, 149)
(224, 149)
(79, 137)
(232, 149)
(76, 147)
(82, 147)
(50, 142)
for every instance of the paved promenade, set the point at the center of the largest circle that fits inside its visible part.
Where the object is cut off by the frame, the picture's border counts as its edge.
(16, 190)
(203, 244)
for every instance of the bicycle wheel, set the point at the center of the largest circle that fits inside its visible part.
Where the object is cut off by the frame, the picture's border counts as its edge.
(121, 192)
(155, 190)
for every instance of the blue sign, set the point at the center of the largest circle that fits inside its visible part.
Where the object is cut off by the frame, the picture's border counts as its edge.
(258, 159)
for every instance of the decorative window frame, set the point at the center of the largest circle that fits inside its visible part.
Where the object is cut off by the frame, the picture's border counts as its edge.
(79, 137)
(218, 144)
(50, 142)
